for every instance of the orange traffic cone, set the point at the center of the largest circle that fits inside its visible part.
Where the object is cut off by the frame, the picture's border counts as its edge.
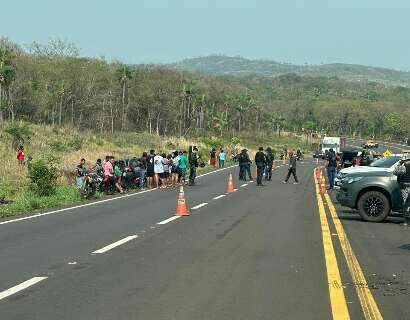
(182, 210)
(230, 188)
(273, 165)
(323, 186)
(318, 171)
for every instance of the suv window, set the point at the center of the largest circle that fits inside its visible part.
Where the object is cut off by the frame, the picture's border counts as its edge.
(386, 162)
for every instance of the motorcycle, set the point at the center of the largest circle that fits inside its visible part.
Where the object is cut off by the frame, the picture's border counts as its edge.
(92, 183)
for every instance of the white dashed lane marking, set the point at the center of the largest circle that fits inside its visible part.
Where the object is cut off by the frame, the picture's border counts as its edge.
(219, 197)
(168, 220)
(115, 244)
(199, 206)
(21, 286)
(244, 185)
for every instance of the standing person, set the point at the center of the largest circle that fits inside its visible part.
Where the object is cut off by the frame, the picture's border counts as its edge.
(248, 166)
(158, 170)
(222, 158)
(165, 174)
(402, 171)
(331, 168)
(150, 168)
(260, 161)
(269, 164)
(81, 173)
(109, 177)
(143, 167)
(20, 155)
(212, 160)
(193, 164)
(174, 168)
(182, 166)
(292, 168)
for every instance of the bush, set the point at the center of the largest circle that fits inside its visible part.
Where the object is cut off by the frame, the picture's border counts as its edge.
(43, 177)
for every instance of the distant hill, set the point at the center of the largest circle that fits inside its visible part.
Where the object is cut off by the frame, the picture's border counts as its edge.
(223, 65)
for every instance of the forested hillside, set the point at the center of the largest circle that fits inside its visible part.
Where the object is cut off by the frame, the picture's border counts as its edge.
(52, 85)
(222, 65)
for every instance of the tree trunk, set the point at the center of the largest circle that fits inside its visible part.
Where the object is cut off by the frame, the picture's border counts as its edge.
(1, 104)
(60, 111)
(123, 107)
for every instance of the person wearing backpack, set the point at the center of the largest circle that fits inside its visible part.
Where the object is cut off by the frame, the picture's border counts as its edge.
(331, 168)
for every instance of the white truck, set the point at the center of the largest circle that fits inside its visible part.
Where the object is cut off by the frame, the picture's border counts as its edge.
(330, 143)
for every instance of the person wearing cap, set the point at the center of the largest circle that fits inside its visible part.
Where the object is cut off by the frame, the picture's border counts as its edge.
(193, 164)
(402, 171)
(292, 168)
(260, 161)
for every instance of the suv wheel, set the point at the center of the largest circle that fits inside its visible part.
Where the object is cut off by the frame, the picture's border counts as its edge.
(373, 206)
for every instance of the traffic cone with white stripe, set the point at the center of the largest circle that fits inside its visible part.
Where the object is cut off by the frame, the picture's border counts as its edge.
(182, 209)
(230, 187)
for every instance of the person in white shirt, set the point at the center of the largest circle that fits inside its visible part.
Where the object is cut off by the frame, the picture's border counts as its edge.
(158, 168)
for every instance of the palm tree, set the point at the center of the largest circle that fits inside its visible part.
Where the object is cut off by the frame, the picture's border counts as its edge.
(123, 75)
(7, 74)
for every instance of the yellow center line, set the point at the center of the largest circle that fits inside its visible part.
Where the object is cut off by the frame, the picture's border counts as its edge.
(336, 293)
(369, 305)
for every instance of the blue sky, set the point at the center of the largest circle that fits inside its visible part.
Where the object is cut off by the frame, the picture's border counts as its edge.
(371, 32)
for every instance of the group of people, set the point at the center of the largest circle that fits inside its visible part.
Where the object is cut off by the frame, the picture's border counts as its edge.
(263, 161)
(213, 155)
(153, 169)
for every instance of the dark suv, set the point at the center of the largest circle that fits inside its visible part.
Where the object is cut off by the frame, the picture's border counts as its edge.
(375, 194)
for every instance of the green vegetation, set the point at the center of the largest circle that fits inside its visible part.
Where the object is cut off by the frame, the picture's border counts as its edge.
(237, 66)
(57, 151)
(56, 102)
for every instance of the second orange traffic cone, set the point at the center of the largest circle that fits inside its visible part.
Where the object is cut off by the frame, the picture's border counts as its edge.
(230, 188)
(182, 209)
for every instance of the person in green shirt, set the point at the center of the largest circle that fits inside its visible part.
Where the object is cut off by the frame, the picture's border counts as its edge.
(182, 166)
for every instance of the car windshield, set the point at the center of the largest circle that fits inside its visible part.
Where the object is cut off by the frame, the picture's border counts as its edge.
(385, 162)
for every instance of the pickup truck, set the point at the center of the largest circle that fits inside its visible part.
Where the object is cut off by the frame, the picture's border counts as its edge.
(372, 190)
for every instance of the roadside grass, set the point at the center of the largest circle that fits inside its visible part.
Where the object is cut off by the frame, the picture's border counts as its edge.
(26, 201)
(69, 146)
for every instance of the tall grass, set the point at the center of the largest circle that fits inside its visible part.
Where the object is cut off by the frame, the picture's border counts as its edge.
(70, 145)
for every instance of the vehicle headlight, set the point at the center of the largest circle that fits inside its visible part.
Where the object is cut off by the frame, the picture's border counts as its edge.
(353, 180)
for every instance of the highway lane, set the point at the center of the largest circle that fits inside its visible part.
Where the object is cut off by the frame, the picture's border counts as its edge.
(255, 254)
(383, 145)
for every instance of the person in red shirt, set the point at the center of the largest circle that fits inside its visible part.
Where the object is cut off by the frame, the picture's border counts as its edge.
(20, 155)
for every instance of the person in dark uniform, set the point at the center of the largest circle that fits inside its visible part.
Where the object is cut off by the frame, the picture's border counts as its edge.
(244, 165)
(269, 164)
(292, 168)
(402, 171)
(260, 161)
(193, 164)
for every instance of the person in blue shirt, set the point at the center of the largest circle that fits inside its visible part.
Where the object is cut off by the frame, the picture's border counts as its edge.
(221, 159)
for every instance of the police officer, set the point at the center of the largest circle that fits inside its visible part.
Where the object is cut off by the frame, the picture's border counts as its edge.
(403, 178)
(269, 164)
(244, 165)
(260, 161)
(292, 168)
(193, 164)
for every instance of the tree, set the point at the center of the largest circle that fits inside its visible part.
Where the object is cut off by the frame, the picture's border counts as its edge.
(7, 75)
(124, 74)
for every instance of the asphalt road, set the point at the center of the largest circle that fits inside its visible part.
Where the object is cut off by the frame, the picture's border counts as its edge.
(257, 253)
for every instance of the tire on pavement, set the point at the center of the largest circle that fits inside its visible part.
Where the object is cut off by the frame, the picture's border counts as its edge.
(373, 206)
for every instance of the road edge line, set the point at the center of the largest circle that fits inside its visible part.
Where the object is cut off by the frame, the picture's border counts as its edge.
(39, 215)
(337, 297)
(367, 301)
